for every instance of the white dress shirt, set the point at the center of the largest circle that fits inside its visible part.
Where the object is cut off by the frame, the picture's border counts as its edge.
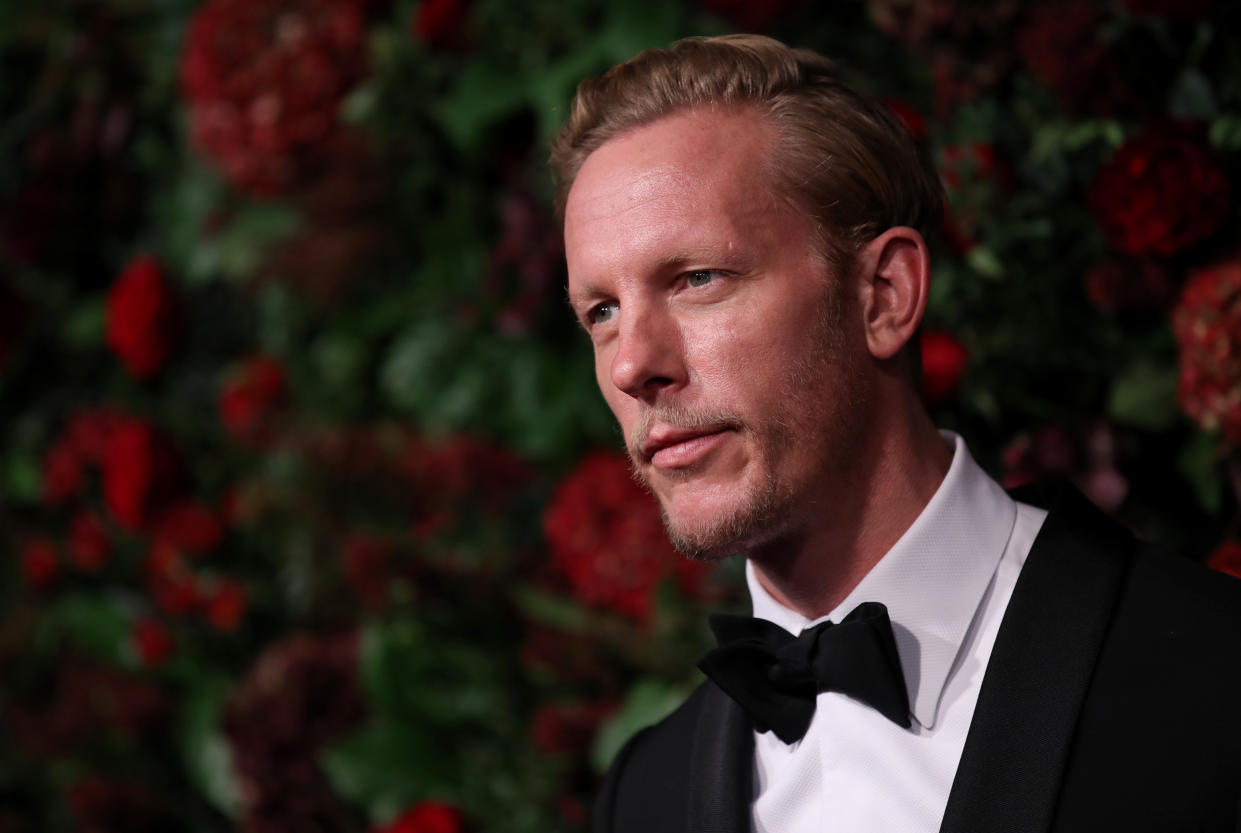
(946, 583)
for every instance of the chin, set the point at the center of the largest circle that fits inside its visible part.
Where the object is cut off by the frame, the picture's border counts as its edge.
(715, 532)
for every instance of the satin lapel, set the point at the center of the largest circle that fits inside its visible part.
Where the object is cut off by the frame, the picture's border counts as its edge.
(1018, 745)
(721, 767)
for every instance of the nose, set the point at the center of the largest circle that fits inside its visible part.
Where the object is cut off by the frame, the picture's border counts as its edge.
(649, 356)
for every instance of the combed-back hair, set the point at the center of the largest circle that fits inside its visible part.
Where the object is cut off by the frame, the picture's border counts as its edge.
(841, 156)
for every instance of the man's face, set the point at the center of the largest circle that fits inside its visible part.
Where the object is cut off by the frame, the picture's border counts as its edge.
(719, 334)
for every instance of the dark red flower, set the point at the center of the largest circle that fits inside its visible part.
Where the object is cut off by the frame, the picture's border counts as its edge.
(247, 400)
(1085, 456)
(914, 121)
(226, 606)
(367, 564)
(90, 431)
(1062, 44)
(440, 24)
(1226, 558)
(62, 473)
(152, 642)
(141, 318)
(943, 363)
(1207, 326)
(749, 15)
(1162, 192)
(140, 471)
(189, 526)
(39, 562)
(568, 729)
(426, 817)
(264, 80)
(176, 592)
(606, 538)
(88, 542)
(1130, 285)
(301, 694)
(102, 804)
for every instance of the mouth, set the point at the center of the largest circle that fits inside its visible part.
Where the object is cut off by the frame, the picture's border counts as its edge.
(666, 447)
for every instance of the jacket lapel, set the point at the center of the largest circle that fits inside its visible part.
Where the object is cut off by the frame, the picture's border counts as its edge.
(1018, 745)
(721, 767)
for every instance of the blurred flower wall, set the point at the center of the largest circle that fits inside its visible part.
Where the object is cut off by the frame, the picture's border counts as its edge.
(313, 519)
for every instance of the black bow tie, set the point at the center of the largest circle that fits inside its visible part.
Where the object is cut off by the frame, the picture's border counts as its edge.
(776, 676)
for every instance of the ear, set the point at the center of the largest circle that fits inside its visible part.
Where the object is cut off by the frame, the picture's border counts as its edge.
(894, 279)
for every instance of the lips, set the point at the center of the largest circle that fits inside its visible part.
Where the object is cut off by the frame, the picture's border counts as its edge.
(668, 447)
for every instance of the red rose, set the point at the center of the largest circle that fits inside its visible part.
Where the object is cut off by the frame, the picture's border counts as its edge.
(226, 605)
(139, 471)
(88, 542)
(1062, 45)
(152, 642)
(1226, 558)
(914, 121)
(440, 24)
(62, 473)
(1207, 326)
(247, 400)
(90, 431)
(1162, 192)
(141, 318)
(189, 526)
(567, 729)
(1130, 285)
(426, 817)
(367, 565)
(606, 538)
(39, 562)
(264, 80)
(943, 363)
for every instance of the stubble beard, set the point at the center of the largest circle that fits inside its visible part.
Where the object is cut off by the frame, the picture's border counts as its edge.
(764, 513)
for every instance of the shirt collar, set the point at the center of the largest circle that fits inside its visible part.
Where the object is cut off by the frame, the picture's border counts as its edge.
(933, 580)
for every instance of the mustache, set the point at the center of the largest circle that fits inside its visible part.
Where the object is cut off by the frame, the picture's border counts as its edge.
(687, 419)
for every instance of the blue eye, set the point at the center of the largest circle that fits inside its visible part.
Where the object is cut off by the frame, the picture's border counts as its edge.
(700, 277)
(600, 313)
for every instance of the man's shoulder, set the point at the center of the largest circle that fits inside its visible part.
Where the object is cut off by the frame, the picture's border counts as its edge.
(646, 783)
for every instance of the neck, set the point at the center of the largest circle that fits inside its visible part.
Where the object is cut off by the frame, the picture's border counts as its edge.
(863, 513)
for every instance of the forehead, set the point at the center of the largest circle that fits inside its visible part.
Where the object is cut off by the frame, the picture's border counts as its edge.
(694, 176)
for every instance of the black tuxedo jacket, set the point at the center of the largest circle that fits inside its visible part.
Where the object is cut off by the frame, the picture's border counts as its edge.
(1112, 702)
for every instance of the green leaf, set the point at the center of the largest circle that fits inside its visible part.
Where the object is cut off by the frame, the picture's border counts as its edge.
(1144, 396)
(208, 757)
(23, 475)
(984, 262)
(386, 766)
(98, 624)
(1192, 96)
(1226, 132)
(1200, 462)
(555, 611)
(648, 702)
(237, 249)
(483, 95)
(84, 325)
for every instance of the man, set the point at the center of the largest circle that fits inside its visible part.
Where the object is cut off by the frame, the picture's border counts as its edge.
(745, 245)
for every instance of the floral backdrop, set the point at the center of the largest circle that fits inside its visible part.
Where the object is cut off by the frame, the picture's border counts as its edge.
(313, 519)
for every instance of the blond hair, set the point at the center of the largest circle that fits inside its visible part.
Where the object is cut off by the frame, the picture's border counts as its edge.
(842, 157)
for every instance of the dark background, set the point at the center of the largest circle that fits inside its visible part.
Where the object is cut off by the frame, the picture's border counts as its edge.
(313, 518)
